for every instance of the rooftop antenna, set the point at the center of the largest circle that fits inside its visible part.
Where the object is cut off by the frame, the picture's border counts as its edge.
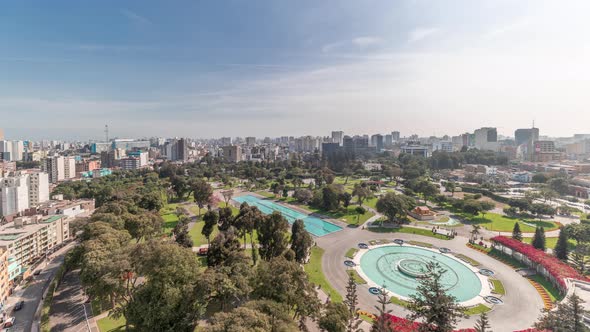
(533, 123)
(106, 132)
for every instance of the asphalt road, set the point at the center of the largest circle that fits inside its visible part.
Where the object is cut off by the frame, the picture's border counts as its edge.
(34, 291)
(68, 310)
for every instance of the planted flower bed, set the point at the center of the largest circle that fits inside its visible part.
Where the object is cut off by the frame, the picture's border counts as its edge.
(551, 267)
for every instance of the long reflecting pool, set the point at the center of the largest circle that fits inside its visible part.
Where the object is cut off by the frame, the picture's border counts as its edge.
(399, 269)
(313, 225)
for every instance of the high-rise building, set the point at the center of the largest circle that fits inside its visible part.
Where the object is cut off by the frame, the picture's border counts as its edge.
(337, 137)
(12, 150)
(486, 139)
(377, 141)
(250, 141)
(526, 136)
(388, 140)
(232, 153)
(38, 183)
(225, 141)
(176, 150)
(59, 168)
(69, 167)
(14, 195)
(395, 136)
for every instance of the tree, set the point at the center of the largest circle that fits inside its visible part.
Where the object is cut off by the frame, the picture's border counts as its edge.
(394, 206)
(516, 232)
(246, 221)
(475, 232)
(272, 235)
(569, 316)
(202, 192)
(210, 218)
(539, 238)
(450, 186)
(383, 322)
(427, 189)
(437, 310)
(472, 207)
(362, 192)
(329, 198)
(301, 241)
(485, 207)
(359, 210)
(151, 201)
(229, 282)
(240, 319)
(334, 318)
(345, 197)
(560, 185)
(482, 324)
(351, 302)
(226, 219)
(286, 282)
(303, 196)
(223, 247)
(143, 225)
(347, 172)
(181, 234)
(227, 196)
(561, 249)
(579, 257)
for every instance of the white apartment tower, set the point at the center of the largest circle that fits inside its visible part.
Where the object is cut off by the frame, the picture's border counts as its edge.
(14, 194)
(55, 168)
(38, 184)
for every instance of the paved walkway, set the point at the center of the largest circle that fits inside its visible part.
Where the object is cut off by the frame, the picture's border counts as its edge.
(522, 304)
(69, 312)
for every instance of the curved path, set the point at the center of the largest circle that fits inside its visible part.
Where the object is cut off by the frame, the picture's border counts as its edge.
(522, 304)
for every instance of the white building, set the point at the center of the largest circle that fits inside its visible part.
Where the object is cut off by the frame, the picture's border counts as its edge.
(12, 150)
(38, 184)
(338, 137)
(54, 166)
(445, 146)
(14, 194)
(486, 139)
(69, 167)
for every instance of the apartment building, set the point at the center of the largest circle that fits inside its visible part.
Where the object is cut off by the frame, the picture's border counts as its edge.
(14, 195)
(4, 277)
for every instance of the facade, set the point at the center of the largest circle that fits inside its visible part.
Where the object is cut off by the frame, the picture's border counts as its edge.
(416, 150)
(486, 139)
(176, 150)
(4, 279)
(337, 137)
(395, 136)
(29, 239)
(14, 195)
(544, 151)
(130, 144)
(12, 150)
(445, 146)
(232, 153)
(330, 148)
(69, 168)
(55, 167)
(250, 141)
(377, 141)
(38, 183)
(225, 141)
(524, 136)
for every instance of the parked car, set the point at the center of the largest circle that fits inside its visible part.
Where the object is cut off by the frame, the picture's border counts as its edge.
(9, 322)
(203, 251)
(19, 305)
(38, 272)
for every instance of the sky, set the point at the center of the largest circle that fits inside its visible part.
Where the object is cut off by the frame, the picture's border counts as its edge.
(273, 68)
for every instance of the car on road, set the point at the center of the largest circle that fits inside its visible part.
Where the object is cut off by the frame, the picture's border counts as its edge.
(38, 272)
(19, 305)
(9, 322)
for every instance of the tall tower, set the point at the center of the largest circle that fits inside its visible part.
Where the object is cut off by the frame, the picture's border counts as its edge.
(106, 133)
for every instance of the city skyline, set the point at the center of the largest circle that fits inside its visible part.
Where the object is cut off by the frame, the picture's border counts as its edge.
(265, 68)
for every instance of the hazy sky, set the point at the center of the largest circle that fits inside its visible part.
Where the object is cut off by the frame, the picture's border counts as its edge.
(269, 68)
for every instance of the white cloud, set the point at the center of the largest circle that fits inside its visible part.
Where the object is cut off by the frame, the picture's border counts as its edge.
(361, 43)
(367, 41)
(134, 17)
(421, 33)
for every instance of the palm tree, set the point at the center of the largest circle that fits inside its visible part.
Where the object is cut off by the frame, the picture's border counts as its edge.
(475, 232)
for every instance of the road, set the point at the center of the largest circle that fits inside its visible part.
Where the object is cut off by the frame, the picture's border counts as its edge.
(69, 312)
(32, 294)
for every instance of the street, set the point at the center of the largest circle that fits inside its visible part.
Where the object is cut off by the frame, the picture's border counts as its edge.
(31, 295)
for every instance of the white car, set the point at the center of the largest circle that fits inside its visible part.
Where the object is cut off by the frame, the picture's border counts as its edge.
(9, 322)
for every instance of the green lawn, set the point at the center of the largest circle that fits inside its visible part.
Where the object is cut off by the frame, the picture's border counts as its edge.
(351, 252)
(357, 278)
(170, 220)
(469, 260)
(553, 292)
(266, 194)
(421, 244)
(408, 230)
(108, 324)
(501, 223)
(477, 310)
(498, 287)
(399, 302)
(550, 242)
(347, 215)
(316, 276)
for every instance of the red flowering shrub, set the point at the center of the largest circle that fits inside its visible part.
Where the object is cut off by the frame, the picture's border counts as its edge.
(556, 268)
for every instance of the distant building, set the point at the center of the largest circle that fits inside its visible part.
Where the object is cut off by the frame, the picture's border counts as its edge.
(4, 277)
(330, 148)
(250, 141)
(176, 150)
(14, 195)
(12, 150)
(225, 141)
(524, 136)
(395, 136)
(377, 141)
(232, 153)
(445, 146)
(337, 137)
(486, 139)
(416, 150)
(38, 183)
(544, 151)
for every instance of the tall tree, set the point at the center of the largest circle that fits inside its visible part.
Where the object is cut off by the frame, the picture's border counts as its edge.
(359, 210)
(223, 247)
(383, 322)
(539, 238)
(351, 302)
(579, 257)
(516, 232)
(569, 316)
(210, 218)
(561, 249)
(482, 324)
(202, 193)
(272, 235)
(334, 318)
(394, 206)
(301, 241)
(437, 310)
(181, 234)
(362, 192)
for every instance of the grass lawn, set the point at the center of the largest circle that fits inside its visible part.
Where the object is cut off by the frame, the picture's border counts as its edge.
(551, 290)
(347, 215)
(550, 242)
(351, 252)
(399, 302)
(409, 230)
(469, 260)
(498, 287)
(316, 276)
(198, 238)
(357, 278)
(497, 222)
(420, 244)
(477, 310)
(266, 194)
(108, 324)
(371, 202)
